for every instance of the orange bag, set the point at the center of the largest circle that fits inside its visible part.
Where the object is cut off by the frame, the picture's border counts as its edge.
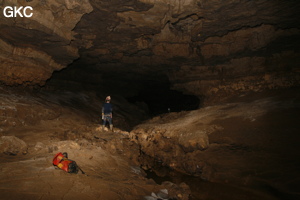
(64, 163)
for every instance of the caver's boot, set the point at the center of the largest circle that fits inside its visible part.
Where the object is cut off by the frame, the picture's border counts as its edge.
(103, 126)
(111, 127)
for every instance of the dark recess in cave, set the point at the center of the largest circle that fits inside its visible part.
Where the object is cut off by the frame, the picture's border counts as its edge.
(153, 89)
(161, 99)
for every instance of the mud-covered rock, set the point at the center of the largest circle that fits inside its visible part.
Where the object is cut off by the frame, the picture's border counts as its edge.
(237, 143)
(173, 139)
(192, 141)
(12, 145)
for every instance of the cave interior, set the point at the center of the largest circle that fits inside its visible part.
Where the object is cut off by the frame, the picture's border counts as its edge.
(168, 62)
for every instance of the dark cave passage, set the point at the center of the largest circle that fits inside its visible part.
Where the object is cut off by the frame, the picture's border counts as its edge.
(150, 89)
(161, 99)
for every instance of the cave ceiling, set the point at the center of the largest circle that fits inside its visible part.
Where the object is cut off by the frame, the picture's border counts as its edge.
(193, 44)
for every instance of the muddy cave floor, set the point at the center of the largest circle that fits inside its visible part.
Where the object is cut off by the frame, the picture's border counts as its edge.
(253, 150)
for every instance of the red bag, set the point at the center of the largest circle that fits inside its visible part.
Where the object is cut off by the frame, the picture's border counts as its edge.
(62, 162)
(57, 158)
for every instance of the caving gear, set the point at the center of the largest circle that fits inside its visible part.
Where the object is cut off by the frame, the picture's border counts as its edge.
(61, 161)
(65, 154)
(57, 158)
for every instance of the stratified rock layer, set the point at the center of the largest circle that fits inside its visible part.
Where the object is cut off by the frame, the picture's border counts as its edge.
(205, 48)
(32, 48)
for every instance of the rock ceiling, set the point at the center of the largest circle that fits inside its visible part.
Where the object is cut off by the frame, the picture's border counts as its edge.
(203, 47)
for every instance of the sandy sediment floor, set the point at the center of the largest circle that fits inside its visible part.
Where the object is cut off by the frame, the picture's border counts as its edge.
(35, 128)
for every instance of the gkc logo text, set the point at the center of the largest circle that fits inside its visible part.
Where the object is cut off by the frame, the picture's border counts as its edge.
(15, 11)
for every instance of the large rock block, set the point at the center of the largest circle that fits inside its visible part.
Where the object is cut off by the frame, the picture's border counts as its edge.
(12, 145)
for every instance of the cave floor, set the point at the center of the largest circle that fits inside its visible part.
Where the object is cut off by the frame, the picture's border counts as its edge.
(49, 126)
(252, 157)
(32, 176)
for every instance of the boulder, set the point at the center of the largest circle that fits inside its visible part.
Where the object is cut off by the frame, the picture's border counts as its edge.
(12, 145)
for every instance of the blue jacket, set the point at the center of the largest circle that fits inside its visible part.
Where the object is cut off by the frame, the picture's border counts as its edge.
(107, 108)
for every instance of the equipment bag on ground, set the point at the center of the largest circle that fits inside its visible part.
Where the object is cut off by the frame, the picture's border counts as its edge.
(61, 161)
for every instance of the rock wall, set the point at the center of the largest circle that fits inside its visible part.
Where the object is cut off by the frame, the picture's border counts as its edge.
(244, 143)
(32, 48)
(210, 49)
(251, 59)
(206, 48)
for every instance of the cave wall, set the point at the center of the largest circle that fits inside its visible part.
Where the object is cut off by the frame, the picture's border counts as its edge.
(251, 59)
(205, 48)
(32, 48)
